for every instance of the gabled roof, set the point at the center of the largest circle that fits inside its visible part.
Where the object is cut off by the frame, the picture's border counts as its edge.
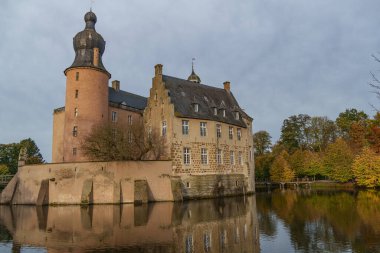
(127, 98)
(184, 94)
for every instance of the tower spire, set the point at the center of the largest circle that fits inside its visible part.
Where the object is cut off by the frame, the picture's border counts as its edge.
(193, 77)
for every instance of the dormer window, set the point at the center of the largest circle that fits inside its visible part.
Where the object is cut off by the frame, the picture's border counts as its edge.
(196, 107)
(237, 115)
(224, 113)
(215, 111)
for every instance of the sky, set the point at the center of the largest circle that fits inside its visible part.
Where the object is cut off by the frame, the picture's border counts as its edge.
(282, 57)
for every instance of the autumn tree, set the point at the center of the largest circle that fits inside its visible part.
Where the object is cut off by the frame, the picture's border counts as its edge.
(280, 170)
(366, 168)
(338, 160)
(345, 120)
(373, 136)
(116, 142)
(262, 142)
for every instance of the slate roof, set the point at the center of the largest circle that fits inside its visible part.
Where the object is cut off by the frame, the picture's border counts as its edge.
(130, 99)
(184, 94)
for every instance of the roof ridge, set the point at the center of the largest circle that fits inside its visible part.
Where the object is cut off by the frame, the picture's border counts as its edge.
(191, 83)
(129, 93)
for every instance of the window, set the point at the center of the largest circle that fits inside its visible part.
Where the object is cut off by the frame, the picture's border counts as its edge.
(218, 130)
(237, 115)
(129, 119)
(185, 127)
(196, 108)
(207, 242)
(114, 116)
(75, 131)
(219, 156)
(238, 134)
(150, 132)
(74, 151)
(215, 111)
(130, 137)
(224, 113)
(76, 112)
(77, 76)
(189, 244)
(76, 93)
(231, 133)
(203, 128)
(204, 159)
(163, 132)
(155, 96)
(186, 156)
(240, 158)
(232, 158)
(188, 184)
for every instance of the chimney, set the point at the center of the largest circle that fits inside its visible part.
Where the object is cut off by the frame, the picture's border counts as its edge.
(96, 57)
(227, 86)
(116, 85)
(158, 70)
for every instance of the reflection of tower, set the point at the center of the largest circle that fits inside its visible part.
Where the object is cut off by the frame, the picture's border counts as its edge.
(86, 90)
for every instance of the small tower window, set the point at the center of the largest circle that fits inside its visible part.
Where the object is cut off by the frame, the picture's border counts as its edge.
(74, 151)
(76, 93)
(77, 76)
(76, 112)
(196, 107)
(129, 119)
(75, 131)
(164, 128)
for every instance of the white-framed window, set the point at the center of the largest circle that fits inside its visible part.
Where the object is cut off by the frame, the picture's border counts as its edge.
(75, 131)
(238, 134)
(129, 119)
(240, 157)
(164, 126)
(207, 242)
(185, 127)
(219, 158)
(215, 111)
(231, 132)
(196, 107)
(232, 157)
(203, 128)
(76, 112)
(218, 130)
(130, 137)
(224, 113)
(74, 151)
(114, 116)
(237, 115)
(186, 156)
(204, 157)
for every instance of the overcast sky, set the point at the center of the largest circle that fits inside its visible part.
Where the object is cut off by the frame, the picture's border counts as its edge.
(283, 57)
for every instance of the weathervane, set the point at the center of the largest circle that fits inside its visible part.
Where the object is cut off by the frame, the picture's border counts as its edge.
(192, 64)
(91, 4)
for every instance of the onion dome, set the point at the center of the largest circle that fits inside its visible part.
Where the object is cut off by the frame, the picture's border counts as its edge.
(194, 77)
(89, 45)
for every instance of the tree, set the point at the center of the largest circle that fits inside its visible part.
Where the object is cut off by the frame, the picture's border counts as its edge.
(262, 142)
(263, 164)
(366, 168)
(373, 137)
(347, 118)
(322, 132)
(33, 155)
(295, 132)
(280, 170)
(110, 142)
(9, 156)
(357, 136)
(338, 160)
(4, 170)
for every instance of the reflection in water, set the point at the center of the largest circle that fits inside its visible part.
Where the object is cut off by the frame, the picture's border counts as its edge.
(321, 221)
(222, 225)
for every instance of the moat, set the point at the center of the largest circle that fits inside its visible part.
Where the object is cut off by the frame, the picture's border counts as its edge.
(277, 221)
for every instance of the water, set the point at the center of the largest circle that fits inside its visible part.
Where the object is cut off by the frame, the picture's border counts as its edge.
(280, 221)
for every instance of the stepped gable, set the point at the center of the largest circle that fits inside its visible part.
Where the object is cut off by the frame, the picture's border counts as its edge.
(184, 94)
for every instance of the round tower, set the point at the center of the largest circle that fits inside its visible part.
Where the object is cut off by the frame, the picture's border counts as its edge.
(87, 79)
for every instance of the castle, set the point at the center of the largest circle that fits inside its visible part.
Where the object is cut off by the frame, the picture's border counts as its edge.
(209, 145)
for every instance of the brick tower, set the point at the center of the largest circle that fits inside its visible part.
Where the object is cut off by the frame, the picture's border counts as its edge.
(86, 102)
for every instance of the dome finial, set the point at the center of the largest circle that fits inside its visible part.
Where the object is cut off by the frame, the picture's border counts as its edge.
(193, 77)
(90, 19)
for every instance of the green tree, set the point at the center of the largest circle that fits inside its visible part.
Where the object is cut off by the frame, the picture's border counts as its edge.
(338, 160)
(366, 168)
(347, 118)
(262, 142)
(9, 156)
(262, 166)
(280, 170)
(322, 132)
(295, 132)
(33, 155)
(4, 170)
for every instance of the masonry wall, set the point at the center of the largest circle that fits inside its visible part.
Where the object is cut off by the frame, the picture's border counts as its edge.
(58, 128)
(89, 183)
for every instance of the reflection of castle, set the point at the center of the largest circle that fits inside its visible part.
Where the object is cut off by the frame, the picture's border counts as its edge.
(228, 225)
